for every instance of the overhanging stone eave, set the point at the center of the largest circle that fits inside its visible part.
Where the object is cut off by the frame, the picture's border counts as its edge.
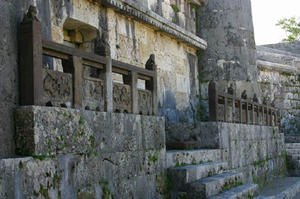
(153, 19)
(277, 67)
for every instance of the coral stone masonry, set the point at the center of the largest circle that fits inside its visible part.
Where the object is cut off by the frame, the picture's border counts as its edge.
(145, 99)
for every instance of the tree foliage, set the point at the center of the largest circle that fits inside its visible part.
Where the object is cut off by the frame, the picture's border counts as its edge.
(292, 27)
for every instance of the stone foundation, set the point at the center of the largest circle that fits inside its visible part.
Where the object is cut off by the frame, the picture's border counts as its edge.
(85, 154)
(257, 151)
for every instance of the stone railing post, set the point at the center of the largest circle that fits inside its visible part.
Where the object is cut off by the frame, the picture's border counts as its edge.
(134, 92)
(78, 82)
(31, 59)
(213, 101)
(108, 85)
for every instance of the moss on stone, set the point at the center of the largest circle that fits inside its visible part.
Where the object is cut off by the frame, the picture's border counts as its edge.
(175, 8)
(21, 165)
(231, 185)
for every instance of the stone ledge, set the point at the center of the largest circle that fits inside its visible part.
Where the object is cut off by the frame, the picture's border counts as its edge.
(51, 130)
(158, 21)
(277, 67)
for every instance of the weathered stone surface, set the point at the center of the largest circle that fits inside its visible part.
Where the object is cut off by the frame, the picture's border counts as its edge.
(178, 19)
(107, 175)
(228, 28)
(190, 173)
(132, 42)
(186, 157)
(247, 191)
(210, 186)
(257, 151)
(10, 15)
(47, 130)
(279, 83)
(288, 187)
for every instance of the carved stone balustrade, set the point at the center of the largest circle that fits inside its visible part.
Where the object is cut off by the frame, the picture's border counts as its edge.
(225, 107)
(86, 80)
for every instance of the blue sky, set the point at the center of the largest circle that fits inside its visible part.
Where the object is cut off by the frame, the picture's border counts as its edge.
(266, 14)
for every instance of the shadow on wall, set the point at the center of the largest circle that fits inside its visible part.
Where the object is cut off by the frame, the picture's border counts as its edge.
(169, 110)
(181, 125)
(290, 124)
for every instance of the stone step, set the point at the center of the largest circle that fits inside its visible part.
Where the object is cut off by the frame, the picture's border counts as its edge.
(182, 175)
(247, 191)
(284, 188)
(213, 185)
(292, 145)
(187, 157)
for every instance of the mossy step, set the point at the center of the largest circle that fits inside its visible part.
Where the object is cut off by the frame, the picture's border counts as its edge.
(247, 191)
(182, 175)
(210, 186)
(187, 157)
(283, 188)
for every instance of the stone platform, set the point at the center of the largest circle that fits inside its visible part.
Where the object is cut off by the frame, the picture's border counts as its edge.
(85, 154)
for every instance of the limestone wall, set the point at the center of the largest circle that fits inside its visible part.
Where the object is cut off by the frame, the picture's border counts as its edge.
(133, 37)
(279, 82)
(133, 42)
(257, 151)
(85, 154)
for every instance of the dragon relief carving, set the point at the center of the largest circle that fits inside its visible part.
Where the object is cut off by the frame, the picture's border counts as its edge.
(93, 95)
(122, 98)
(145, 102)
(57, 86)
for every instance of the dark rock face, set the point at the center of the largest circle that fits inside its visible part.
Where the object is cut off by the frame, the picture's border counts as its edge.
(231, 54)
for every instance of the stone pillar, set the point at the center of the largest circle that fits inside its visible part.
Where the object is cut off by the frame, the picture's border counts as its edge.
(31, 60)
(227, 27)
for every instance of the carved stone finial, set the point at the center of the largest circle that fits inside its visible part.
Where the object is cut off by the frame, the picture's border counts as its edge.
(102, 46)
(230, 90)
(273, 103)
(244, 94)
(150, 64)
(31, 14)
(255, 99)
(265, 100)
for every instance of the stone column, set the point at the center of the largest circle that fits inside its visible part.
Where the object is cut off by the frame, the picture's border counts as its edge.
(227, 27)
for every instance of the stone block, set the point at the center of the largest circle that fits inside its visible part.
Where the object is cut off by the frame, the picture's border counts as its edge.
(187, 174)
(182, 157)
(48, 131)
(210, 186)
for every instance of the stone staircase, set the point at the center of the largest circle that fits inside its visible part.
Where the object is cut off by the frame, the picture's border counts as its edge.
(200, 174)
(293, 158)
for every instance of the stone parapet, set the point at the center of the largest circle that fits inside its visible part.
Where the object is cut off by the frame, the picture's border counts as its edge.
(258, 151)
(50, 131)
(85, 154)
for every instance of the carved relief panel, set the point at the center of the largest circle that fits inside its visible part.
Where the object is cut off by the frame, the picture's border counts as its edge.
(57, 88)
(94, 98)
(145, 102)
(122, 98)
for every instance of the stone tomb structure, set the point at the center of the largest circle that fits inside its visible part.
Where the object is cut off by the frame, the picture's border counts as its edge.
(96, 93)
